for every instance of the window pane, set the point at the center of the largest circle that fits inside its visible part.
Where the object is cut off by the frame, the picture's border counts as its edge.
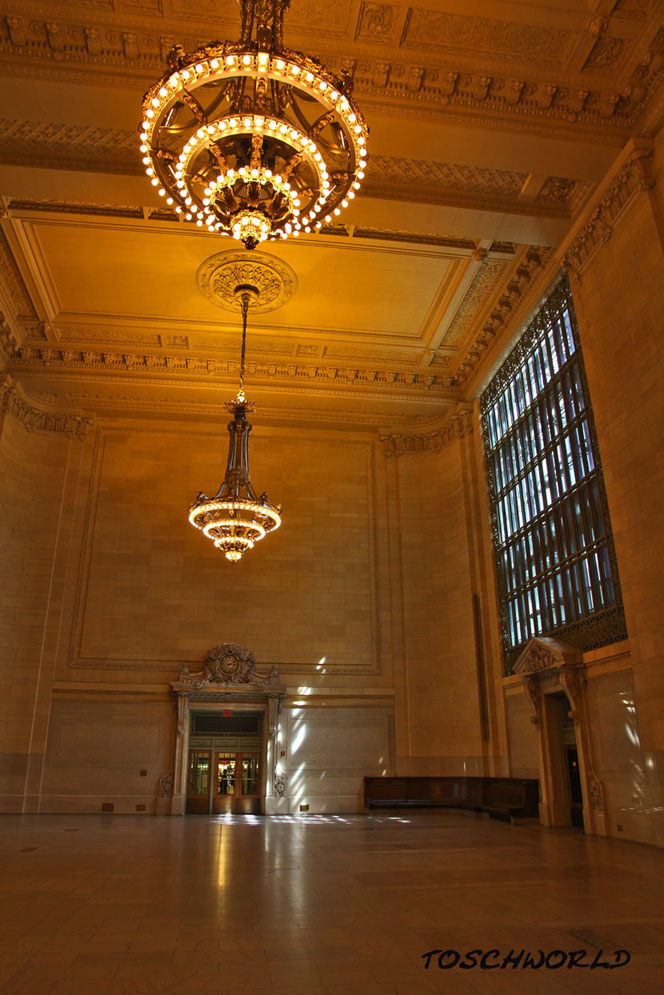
(554, 553)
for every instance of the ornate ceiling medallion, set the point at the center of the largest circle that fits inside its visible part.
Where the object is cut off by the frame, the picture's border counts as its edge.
(251, 139)
(220, 275)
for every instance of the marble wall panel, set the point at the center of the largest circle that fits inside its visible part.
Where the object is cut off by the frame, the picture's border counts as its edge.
(329, 750)
(97, 749)
(522, 735)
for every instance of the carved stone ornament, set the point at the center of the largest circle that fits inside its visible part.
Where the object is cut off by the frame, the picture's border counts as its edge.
(595, 792)
(534, 695)
(229, 664)
(573, 683)
(34, 419)
(166, 784)
(280, 785)
(458, 426)
(219, 275)
(534, 658)
(635, 176)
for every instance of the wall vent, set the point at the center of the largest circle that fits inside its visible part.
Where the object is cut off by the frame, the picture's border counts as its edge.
(107, 807)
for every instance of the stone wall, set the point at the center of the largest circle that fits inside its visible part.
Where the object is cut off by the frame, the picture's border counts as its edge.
(619, 300)
(33, 467)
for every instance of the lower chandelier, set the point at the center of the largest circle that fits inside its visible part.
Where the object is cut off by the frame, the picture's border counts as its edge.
(235, 519)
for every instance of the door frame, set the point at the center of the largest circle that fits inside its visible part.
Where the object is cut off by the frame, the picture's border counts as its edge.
(547, 666)
(187, 699)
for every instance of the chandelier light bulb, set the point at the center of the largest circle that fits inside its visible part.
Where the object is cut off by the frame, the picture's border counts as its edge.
(273, 131)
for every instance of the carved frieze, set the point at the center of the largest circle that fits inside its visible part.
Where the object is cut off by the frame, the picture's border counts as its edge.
(36, 419)
(447, 32)
(484, 283)
(113, 50)
(197, 366)
(459, 425)
(502, 317)
(634, 177)
(377, 22)
(476, 179)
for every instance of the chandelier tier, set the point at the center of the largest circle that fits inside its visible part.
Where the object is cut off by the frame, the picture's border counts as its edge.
(235, 519)
(251, 139)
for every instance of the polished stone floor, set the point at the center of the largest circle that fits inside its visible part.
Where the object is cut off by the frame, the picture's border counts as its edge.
(97, 904)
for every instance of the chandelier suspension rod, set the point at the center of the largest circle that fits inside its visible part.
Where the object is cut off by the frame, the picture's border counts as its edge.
(245, 300)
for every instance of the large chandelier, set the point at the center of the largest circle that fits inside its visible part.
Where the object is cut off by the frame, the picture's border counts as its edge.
(235, 519)
(251, 139)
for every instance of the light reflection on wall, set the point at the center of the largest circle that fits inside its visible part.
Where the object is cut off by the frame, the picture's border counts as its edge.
(633, 735)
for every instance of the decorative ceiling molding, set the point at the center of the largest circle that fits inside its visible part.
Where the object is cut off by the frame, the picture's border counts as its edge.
(459, 425)
(474, 179)
(19, 316)
(130, 404)
(485, 282)
(14, 206)
(185, 369)
(634, 176)
(485, 37)
(504, 313)
(473, 186)
(105, 150)
(633, 9)
(440, 73)
(34, 419)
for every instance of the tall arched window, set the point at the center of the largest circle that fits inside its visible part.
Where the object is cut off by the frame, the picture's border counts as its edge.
(556, 563)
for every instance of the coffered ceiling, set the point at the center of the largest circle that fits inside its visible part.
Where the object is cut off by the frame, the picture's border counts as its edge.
(491, 124)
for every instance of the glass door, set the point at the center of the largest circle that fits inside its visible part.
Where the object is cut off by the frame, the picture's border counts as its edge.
(224, 781)
(198, 783)
(250, 767)
(237, 782)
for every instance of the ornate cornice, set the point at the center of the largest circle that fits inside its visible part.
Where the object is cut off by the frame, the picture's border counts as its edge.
(459, 425)
(431, 72)
(505, 312)
(634, 176)
(37, 419)
(107, 150)
(185, 366)
(18, 315)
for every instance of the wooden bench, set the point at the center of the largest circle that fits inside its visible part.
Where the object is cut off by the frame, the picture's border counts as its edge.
(504, 798)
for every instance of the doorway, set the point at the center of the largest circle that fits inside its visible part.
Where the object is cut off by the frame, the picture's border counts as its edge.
(571, 773)
(225, 769)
